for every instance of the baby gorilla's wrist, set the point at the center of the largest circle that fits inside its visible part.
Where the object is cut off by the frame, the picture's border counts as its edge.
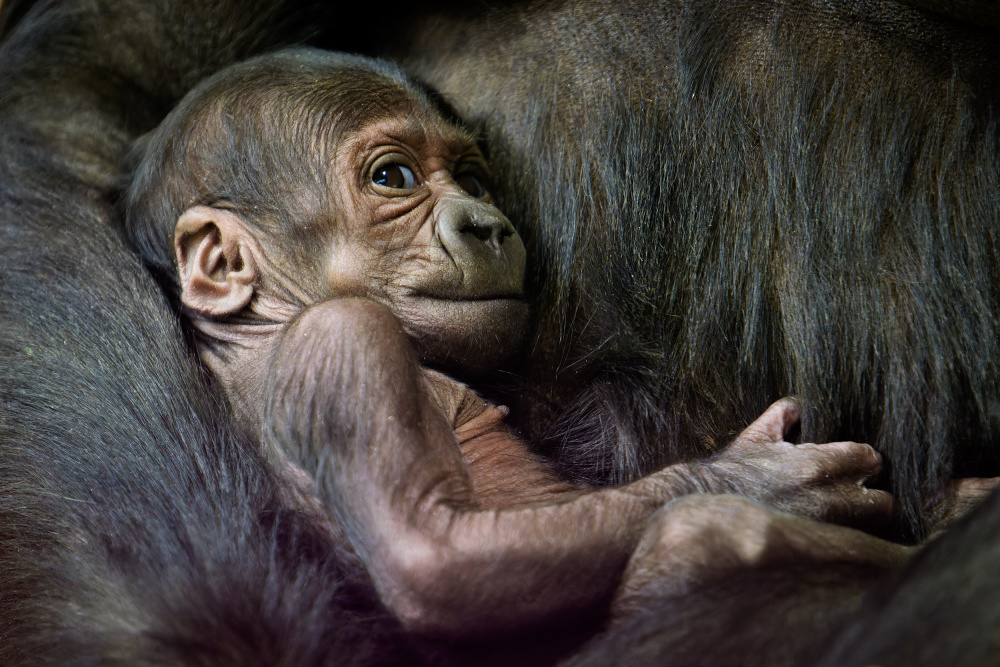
(682, 479)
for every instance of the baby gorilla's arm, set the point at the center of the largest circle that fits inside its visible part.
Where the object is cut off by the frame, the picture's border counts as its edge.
(345, 403)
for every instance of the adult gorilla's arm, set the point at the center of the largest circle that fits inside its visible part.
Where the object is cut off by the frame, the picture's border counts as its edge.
(946, 596)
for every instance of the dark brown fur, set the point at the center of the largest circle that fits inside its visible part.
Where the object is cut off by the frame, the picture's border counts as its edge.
(102, 459)
(729, 202)
(312, 281)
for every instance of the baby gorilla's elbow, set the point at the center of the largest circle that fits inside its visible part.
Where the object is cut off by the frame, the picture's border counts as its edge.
(422, 585)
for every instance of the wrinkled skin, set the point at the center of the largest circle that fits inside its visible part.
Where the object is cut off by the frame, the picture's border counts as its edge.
(728, 202)
(448, 570)
(457, 265)
(450, 266)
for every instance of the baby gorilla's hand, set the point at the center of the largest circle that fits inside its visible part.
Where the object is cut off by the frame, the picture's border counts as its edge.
(819, 481)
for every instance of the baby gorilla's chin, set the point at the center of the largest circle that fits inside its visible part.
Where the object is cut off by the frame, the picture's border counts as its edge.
(470, 335)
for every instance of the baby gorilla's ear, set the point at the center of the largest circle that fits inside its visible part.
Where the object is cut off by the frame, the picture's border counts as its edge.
(216, 260)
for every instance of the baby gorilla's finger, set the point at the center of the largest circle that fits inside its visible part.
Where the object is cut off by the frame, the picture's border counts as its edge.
(852, 461)
(975, 488)
(846, 503)
(858, 506)
(777, 420)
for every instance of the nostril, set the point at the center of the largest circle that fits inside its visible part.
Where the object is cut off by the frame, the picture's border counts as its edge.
(480, 231)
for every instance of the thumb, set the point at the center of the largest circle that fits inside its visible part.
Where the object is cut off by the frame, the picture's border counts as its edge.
(776, 421)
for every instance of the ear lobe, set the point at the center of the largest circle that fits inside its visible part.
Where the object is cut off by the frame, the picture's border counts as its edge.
(215, 259)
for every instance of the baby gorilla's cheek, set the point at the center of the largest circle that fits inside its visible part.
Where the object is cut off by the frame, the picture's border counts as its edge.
(425, 271)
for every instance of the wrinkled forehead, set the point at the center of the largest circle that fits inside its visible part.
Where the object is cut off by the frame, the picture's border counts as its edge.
(422, 130)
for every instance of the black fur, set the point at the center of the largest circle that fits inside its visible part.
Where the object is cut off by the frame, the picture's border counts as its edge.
(940, 610)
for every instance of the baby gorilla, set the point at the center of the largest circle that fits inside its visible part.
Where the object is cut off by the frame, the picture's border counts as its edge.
(328, 237)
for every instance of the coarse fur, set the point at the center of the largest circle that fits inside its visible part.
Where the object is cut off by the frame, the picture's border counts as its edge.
(310, 319)
(136, 526)
(756, 199)
(941, 592)
(102, 458)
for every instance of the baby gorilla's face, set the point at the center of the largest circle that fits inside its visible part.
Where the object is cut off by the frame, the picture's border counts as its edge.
(416, 230)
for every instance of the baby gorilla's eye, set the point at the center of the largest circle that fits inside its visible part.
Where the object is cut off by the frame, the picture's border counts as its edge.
(472, 179)
(471, 184)
(394, 175)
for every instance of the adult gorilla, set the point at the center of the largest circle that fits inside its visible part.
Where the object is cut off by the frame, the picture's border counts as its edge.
(725, 202)
(728, 202)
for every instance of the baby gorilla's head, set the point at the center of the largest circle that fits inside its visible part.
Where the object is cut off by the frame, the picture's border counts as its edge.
(303, 176)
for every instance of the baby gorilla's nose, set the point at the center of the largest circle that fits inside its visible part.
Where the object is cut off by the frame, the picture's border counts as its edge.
(491, 231)
(468, 220)
(483, 245)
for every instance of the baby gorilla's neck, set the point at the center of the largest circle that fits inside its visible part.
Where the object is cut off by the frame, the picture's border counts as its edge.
(237, 354)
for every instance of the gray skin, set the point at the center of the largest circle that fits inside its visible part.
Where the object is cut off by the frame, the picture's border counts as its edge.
(426, 270)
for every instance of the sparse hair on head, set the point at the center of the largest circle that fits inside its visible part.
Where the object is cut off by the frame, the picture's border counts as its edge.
(257, 138)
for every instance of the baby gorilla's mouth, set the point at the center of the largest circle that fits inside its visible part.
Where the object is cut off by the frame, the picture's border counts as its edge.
(432, 306)
(463, 293)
